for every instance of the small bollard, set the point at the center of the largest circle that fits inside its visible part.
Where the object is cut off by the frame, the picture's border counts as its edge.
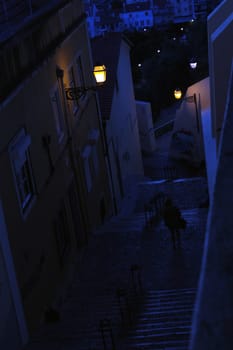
(123, 301)
(136, 278)
(106, 329)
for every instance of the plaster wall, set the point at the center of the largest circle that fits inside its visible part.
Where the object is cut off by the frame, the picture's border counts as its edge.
(220, 29)
(122, 127)
(33, 239)
(188, 118)
(145, 124)
(213, 320)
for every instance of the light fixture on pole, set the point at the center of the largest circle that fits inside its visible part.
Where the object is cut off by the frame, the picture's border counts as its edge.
(100, 74)
(190, 99)
(193, 99)
(193, 64)
(76, 92)
(177, 94)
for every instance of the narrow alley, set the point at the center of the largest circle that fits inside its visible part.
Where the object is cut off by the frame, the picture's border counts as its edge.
(131, 290)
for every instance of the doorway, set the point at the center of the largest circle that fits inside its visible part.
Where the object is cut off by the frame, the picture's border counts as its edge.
(13, 330)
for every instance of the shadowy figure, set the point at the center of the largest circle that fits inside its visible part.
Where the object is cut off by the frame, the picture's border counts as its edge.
(172, 218)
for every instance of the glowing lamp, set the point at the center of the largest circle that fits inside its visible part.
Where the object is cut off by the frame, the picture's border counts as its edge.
(193, 64)
(100, 74)
(178, 94)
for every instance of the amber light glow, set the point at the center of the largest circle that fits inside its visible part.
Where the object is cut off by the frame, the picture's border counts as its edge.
(100, 74)
(177, 94)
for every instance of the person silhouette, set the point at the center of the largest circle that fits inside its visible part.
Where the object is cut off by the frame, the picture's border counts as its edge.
(172, 217)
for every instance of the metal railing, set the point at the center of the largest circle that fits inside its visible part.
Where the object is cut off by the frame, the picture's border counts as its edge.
(153, 210)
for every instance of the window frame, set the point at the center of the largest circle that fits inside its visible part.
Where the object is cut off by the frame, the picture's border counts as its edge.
(76, 78)
(22, 170)
(58, 111)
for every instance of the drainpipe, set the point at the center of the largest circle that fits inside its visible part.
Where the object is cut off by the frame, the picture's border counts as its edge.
(102, 127)
(60, 73)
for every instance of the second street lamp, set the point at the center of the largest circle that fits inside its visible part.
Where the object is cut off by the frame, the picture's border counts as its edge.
(177, 94)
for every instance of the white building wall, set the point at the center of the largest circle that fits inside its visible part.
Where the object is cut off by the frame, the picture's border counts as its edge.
(122, 128)
(145, 124)
(187, 118)
(210, 150)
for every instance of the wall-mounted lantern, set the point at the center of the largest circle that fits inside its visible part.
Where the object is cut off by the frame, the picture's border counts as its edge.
(193, 64)
(100, 74)
(76, 92)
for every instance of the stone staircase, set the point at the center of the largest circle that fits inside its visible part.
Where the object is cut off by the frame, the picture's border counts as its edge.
(186, 193)
(159, 320)
(135, 222)
(162, 321)
(160, 316)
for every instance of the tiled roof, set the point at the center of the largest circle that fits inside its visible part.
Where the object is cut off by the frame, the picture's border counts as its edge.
(105, 50)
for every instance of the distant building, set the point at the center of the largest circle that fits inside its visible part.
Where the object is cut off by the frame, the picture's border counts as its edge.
(163, 12)
(200, 8)
(92, 18)
(137, 15)
(117, 16)
(183, 11)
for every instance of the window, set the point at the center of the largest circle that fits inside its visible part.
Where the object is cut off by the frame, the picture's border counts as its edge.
(58, 112)
(19, 153)
(72, 84)
(80, 75)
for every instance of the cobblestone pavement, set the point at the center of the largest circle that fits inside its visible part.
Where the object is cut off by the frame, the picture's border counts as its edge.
(106, 263)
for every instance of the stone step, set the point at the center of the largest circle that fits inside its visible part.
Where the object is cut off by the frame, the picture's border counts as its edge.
(133, 223)
(172, 292)
(159, 336)
(147, 298)
(151, 345)
(184, 195)
(157, 325)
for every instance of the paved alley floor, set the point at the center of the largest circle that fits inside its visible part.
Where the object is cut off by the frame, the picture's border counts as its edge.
(106, 265)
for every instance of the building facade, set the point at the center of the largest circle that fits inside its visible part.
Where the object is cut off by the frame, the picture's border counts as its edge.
(53, 186)
(130, 15)
(183, 11)
(137, 16)
(213, 321)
